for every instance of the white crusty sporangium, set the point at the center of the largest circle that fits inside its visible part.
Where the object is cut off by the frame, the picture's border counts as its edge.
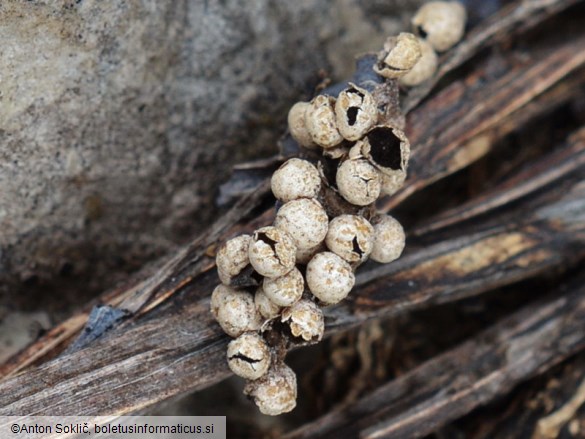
(400, 54)
(304, 220)
(296, 178)
(358, 182)
(320, 120)
(389, 239)
(305, 320)
(298, 127)
(232, 258)
(329, 277)
(441, 23)
(424, 69)
(355, 111)
(388, 150)
(272, 252)
(284, 290)
(276, 392)
(391, 183)
(351, 237)
(234, 310)
(266, 307)
(249, 356)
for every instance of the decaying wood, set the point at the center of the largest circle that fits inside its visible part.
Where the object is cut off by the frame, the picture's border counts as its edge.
(512, 19)
(550, 426)
(470, 375)
(475, 257)
(545, 172)
(177, 347)
(439, 120)
(551, 408)
(153, 286)
(471, 108)
(529, 224)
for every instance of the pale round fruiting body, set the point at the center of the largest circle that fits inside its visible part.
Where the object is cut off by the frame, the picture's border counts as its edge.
(219, 296)
(329, 277)
(272, 252)
(350, 237)
(266, 307)
(441, 23)
(234, 310)
(249, 356)
(424, 69)
(387, 148)
(320, 121)
(392, 182)
(389, 239)
(305, 320)
(285, 290)
(297, 126)
(304, 220)
(355, 111)
(276, 392)
(400, 54)
(232, 258)
(358, 182)
(296, 178)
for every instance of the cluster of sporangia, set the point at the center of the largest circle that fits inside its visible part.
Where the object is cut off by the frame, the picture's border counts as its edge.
(307, 258)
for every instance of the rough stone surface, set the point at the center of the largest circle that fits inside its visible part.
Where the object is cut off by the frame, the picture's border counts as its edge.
(119, 119)
(18, 329)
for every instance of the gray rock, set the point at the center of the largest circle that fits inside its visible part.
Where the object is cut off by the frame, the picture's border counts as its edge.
(118, 120)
